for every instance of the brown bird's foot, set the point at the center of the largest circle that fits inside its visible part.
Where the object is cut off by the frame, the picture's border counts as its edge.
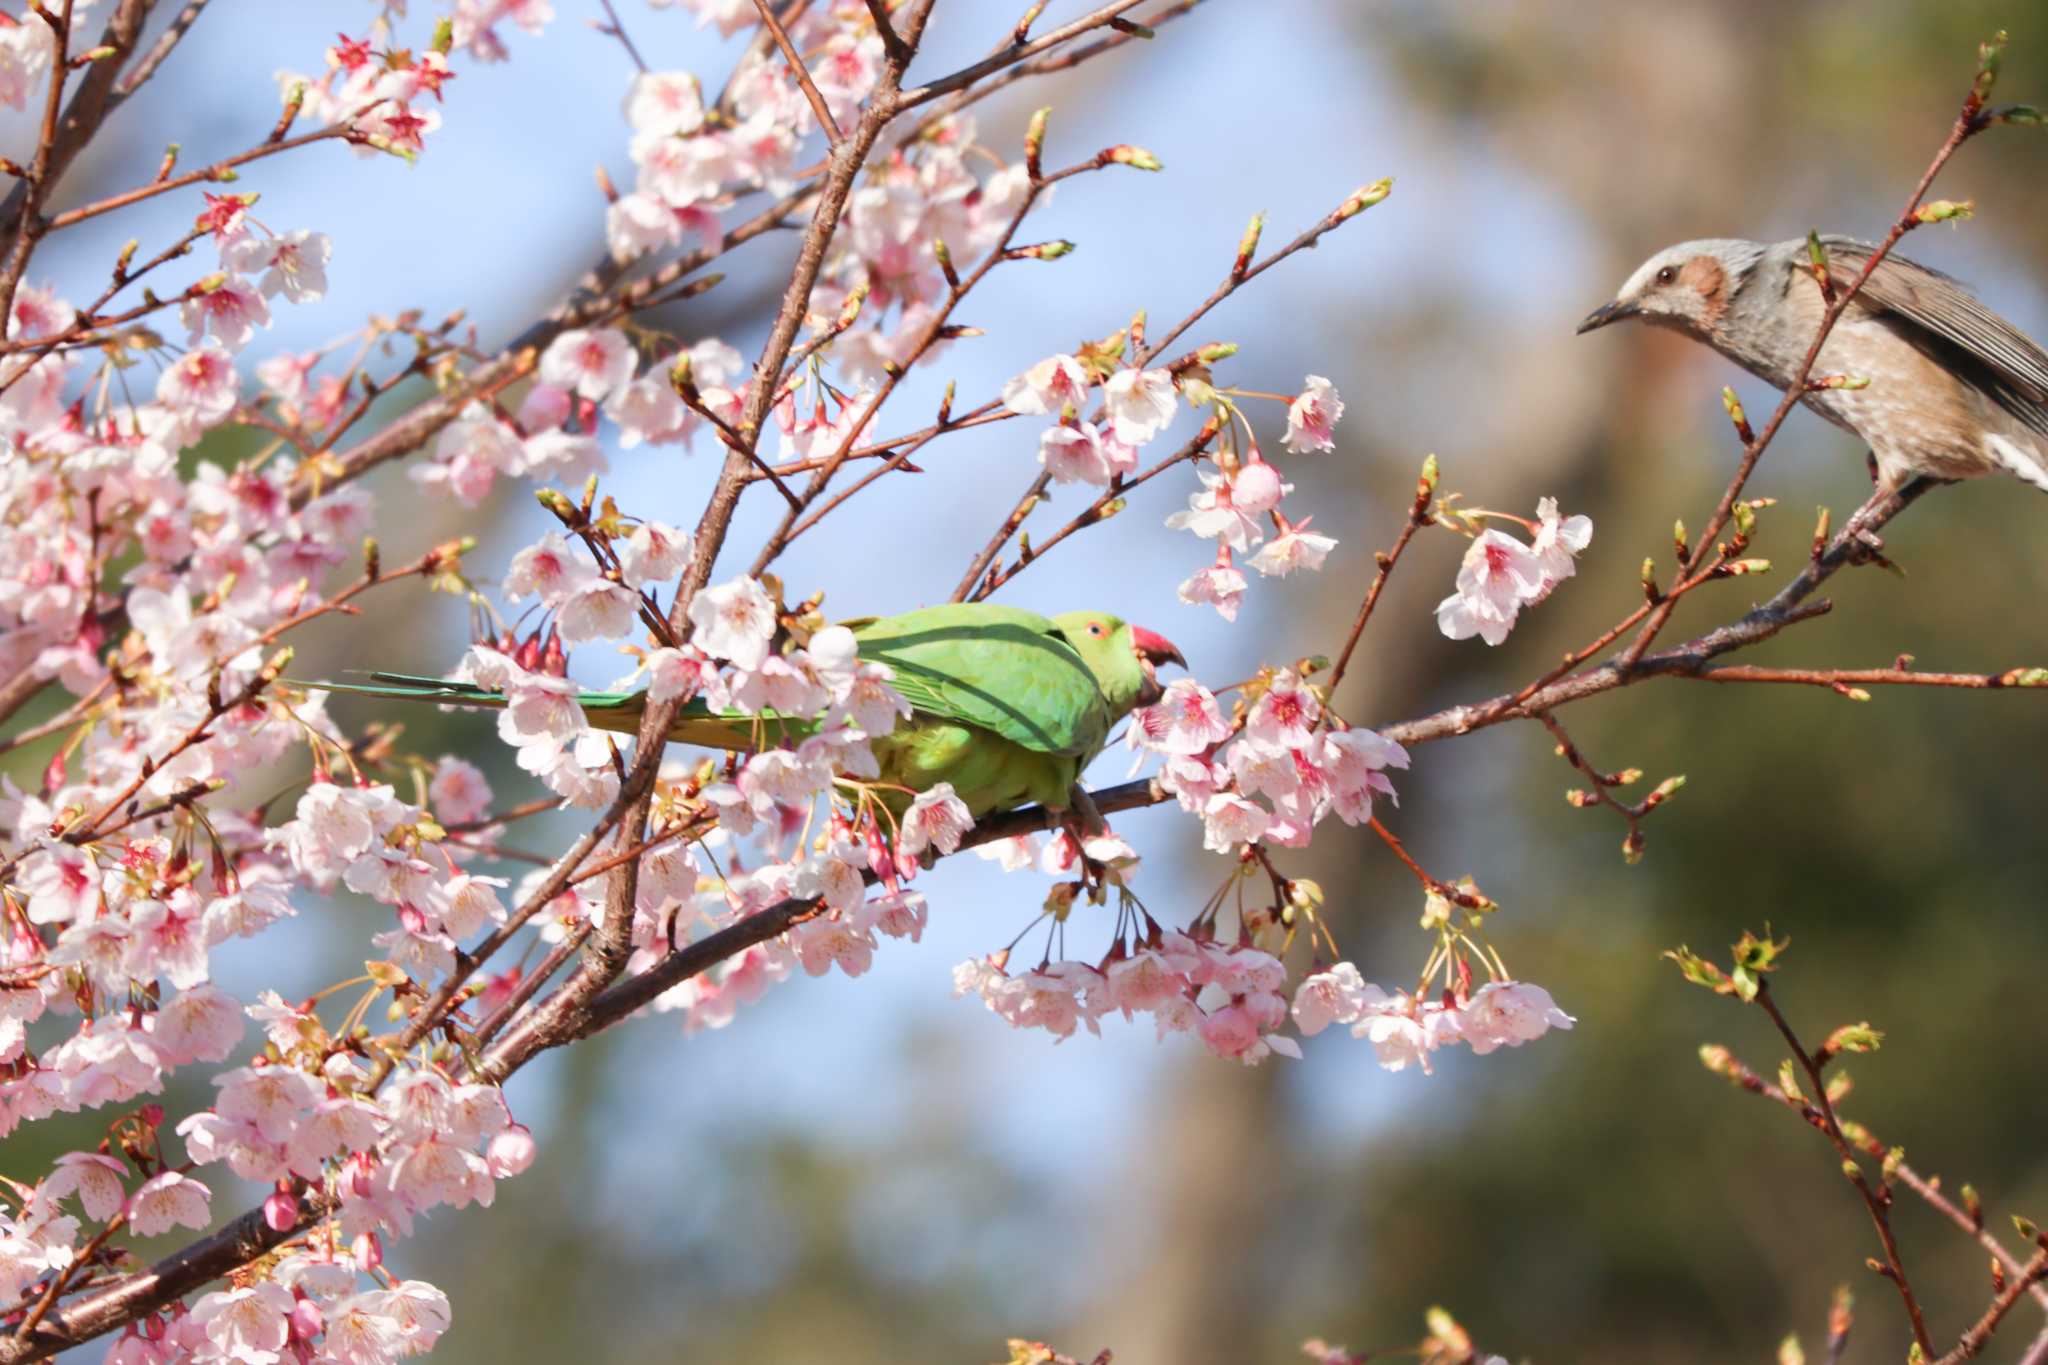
(1870, 463)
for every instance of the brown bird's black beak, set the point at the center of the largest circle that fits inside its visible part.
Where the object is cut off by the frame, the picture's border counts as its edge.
(1606, 313)
(1153, 649)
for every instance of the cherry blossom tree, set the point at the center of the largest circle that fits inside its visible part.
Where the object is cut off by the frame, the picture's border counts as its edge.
(151, 598)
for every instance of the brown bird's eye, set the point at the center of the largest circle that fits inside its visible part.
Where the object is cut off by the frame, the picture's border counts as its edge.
(1666, 275)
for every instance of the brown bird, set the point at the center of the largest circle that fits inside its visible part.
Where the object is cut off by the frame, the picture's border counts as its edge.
(1954, 390)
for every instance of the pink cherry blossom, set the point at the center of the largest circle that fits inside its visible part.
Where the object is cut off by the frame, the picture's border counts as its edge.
(1186, 720)
(1558, 543)
(937, 818)
(734, 621)
(1221, 585)
(1312, 417)
(589, 363)
(1141, 403)
(1297, 547)
(1084, 454)
(1052, 385)
(654, 553)
(169, 1200)
(1509, 1014)
(1498, 576)
(459, 792)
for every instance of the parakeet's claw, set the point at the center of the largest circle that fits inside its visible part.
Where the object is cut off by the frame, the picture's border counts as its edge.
(1083, 813)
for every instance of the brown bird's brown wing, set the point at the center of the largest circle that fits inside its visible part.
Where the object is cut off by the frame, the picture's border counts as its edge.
(1941, 305)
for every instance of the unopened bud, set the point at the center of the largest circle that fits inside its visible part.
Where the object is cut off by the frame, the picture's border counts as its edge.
(1215, 351)
(1137, 158)
(1737, 416)
(1945, 211)
(1364, 198)
(1248, 246)
(850, 310)
(1034, 143)
(1989, 55)
(555, 501)
(1042, 251)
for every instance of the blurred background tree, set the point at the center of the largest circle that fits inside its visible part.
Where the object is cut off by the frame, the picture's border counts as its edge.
(868, 1171)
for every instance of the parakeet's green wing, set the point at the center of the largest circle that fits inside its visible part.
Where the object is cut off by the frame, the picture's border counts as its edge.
(1003, 669)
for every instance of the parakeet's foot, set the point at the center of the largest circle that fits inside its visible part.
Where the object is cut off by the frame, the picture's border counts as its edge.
(1082, 821)
(1081, 807)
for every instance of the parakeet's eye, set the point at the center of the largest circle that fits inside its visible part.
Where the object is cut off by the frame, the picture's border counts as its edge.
(1666, 275)
(1097, 629)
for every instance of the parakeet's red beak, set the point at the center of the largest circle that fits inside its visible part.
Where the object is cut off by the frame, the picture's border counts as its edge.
(1152, 649)
(1155, 648)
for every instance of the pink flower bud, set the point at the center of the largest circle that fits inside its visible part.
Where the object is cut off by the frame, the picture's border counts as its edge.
(1256, 487)
(510, 1152)
(305, 1320)
(368, 1251)
(281, 1211)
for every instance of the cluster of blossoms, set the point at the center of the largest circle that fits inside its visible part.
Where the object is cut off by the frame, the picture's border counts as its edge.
(1500, 575)
(1404, 1029)
(1271, 776)
(1137, 405)
(1227, 995)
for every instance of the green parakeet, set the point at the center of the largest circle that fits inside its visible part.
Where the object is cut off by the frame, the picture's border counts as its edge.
(1007, 705)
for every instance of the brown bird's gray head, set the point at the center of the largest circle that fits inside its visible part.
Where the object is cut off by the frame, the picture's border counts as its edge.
(1685, 287)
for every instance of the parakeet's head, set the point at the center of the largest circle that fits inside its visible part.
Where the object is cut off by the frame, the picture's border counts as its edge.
(1120, 655)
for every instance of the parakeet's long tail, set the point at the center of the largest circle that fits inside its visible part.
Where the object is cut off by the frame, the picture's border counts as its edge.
(695, 723)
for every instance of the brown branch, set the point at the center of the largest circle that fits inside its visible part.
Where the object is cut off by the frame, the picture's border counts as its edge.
(1788, 607)
(32, 225)
(1877, 1200)
(1236, 279)
(1101, 510)
(1843, 679)
(1979, 1333)
(635, 993)
(833, 136)
(1418, 517)
(344, 130)
(93, 100)
(1011, 55)
(1728, 1065)
(159, 51)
